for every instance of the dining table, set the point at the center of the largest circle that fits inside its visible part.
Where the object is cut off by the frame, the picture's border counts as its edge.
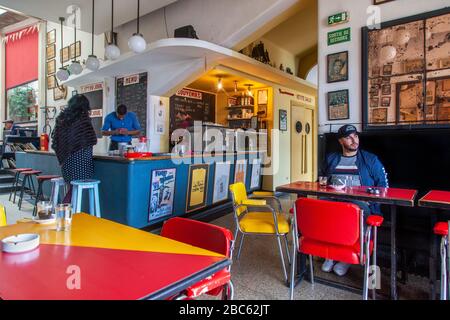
(389, 196)
(98, 259)
(439, 202)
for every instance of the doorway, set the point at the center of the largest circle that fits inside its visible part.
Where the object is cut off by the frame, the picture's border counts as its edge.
(302, 143)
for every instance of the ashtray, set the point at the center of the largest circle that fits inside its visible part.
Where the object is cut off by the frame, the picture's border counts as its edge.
(20, 243)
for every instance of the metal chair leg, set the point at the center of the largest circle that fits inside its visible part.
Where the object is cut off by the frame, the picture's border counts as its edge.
(17, 185)
(240, 246)
(24, 181)
(282, 259)
(366, 267)
(374, 263)
(228, 291)
(287, 248)
(443, 269)
(38, 196)
(14, 186)
(311, 269)
(292, 283)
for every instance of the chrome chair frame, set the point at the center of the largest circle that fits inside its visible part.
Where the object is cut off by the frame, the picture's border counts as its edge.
(444, 278)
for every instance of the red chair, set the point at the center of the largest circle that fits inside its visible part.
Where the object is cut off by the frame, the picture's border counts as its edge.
(441, 229)
(208, 237)
(333, 230)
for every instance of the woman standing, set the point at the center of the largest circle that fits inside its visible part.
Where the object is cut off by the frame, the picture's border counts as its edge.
(73, 139)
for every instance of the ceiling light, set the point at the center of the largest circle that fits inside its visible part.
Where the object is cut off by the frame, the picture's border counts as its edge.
(235, 86)
(92, 63)
(112, 52)
(75, 67)
(62, 74)
(137, 42)
(219, 84)
(249, 91)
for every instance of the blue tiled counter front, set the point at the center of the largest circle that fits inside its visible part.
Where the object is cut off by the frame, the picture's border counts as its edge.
(125, 184)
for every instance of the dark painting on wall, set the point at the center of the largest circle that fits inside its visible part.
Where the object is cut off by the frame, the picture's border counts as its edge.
(337, 67)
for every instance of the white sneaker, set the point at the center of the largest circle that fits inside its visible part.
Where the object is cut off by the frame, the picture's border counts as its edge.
(341, 268)
(327, 266)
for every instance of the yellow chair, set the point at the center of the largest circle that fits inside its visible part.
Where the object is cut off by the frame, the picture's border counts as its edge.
(255, 217)
(2, 216)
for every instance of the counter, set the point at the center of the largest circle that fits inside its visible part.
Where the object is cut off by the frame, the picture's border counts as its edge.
(126, 184)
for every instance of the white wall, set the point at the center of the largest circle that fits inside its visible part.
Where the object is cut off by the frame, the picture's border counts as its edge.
(358, 17)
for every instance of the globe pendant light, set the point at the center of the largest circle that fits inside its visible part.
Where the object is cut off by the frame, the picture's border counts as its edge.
(388, 52)
(75, 67)
(112, 52)
(137, 43)
(92, 63)
(62, 74)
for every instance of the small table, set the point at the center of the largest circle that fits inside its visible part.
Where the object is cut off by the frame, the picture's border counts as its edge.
(439, 201)
(390, 196)
(111, 261)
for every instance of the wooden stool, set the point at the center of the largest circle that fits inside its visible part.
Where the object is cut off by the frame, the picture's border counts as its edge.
(17, 173)
(28, 176)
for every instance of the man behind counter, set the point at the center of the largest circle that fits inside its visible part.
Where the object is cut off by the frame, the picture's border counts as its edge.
(121, 126)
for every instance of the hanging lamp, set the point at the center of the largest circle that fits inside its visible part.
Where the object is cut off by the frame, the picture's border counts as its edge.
(137, 43)
(92, 62)
(62, 74)
(75, 67)
(112, 52)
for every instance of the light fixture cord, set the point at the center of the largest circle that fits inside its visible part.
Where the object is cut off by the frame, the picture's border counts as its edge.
(93, 10)
(112, 22)
(75, 31)
(138, 9)
(61, 19)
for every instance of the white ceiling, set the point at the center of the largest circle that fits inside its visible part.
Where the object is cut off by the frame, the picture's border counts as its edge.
(51, 10)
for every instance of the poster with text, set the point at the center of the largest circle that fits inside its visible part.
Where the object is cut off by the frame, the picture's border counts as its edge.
(197, 187)
(240, 171)
(162, 193)
(256, 174)
(221, 181)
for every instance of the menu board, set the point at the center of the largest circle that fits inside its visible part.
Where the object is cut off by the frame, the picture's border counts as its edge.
(132, 92)
(187, 106)
(94, 93)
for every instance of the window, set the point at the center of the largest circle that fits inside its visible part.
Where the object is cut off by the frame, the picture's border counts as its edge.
(22, 102)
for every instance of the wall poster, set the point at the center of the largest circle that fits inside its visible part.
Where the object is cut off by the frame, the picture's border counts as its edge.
(162, 192)
(197, 187)
(221, 181)
(240, 171)
(256, 175)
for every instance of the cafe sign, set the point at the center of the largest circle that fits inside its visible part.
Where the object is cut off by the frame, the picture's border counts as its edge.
(338, 18)
(339, 36)
(189, 94)
(91, 87)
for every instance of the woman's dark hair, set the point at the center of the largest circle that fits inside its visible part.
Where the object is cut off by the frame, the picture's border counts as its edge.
(77, 108)
(122, 110)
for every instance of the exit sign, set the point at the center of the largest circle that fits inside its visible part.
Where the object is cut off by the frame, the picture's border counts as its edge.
(339, 36)
(338, 18)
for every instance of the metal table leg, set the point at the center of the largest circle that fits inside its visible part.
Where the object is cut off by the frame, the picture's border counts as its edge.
(394, 295)
(432, 259)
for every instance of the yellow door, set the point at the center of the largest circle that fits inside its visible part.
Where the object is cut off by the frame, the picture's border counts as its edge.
(302, 133)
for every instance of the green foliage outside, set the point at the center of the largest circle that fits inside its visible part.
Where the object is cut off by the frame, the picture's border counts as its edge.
(20, 99)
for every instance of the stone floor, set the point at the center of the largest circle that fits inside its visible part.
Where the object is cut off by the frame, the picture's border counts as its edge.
(257, 275)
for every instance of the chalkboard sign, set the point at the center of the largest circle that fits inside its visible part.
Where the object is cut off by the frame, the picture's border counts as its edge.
(132, 92)
(187, 106)
(94, 93)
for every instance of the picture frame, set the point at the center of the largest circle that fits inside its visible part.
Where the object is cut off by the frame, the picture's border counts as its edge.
(431, 93)
(386, 89)
(51, 67)
(75, 50)
(379, 115)
(263, 97)
(197, 190)
(385, 101)
(387, 69)
(64, 55)
(240, 171)
(222, 172)
(51, 37)
(51, 82)
(51, 51)
(262, 110)
(59, 93)
(375, 72)
(283, 120)
(162, 193)
(255, 182)
(338, 105)
(374, 102)
(337, 67)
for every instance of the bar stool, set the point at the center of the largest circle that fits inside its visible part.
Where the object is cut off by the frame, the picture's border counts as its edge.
(57, 183)
(77, 195)
(28, 177)
(17, 173)
(40, 193)
(441, 229)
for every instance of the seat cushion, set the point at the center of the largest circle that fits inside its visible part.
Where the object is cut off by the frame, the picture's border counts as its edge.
(347, 254)
(262, 222)
(441, 228)
(47, 177)
(212, 285)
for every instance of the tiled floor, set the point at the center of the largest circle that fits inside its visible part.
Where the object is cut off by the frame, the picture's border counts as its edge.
(258, 274)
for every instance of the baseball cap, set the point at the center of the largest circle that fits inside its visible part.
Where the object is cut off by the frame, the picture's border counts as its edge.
(346, 130)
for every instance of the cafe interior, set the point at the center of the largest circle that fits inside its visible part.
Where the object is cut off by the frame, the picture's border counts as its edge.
(317, 131)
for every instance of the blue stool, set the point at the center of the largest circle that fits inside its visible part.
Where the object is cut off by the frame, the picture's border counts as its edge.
(77, 195)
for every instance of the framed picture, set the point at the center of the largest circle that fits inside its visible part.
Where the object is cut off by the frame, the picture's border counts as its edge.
(446, 85)
(283, 120)
(221, 181)
(162, 192)
(64, 55)
(375, 71)
(75, 50)
(431, 93)
(256, 175)
(51, 37)
(51, 67)
(51, 82)
(254, 123)
(387, 69)
(59, 93)
(262, 110)
(375, 82)
(374, 102)
(379, 115)
(386, 89)
(263, 97)
(337, 66)
(413, 66)
(377, 2)
(385, 80)
(197, 187)
(385, 101)
(338, 105)
(374, 90)
(240, 171)
(51, 51)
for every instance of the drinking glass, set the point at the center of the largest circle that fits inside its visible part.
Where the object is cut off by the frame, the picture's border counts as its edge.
(45, 210)
(63, 217)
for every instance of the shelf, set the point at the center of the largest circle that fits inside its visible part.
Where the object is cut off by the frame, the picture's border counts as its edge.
(241, 119)
(240, 107)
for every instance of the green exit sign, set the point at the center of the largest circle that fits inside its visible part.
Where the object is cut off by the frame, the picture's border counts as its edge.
(339, 36)
(338, 18)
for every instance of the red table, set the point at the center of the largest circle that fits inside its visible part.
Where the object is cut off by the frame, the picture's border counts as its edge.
(390, 196)
(112, 261)
(440, 201)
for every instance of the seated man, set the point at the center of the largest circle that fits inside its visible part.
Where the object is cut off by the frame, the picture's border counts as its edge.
(358, 168)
